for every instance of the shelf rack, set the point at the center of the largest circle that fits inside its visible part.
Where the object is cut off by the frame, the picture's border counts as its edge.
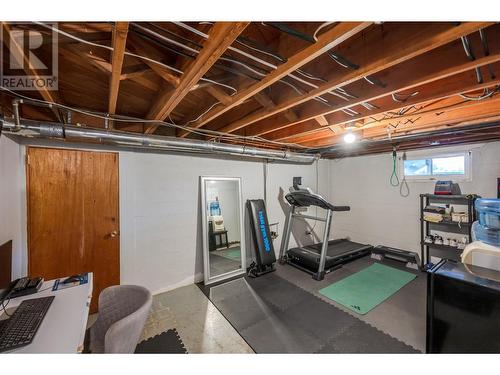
(444, 251)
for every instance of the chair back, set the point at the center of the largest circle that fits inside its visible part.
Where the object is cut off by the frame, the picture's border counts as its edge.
(123, 311)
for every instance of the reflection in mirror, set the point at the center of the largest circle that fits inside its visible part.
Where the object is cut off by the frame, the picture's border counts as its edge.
(223, 248)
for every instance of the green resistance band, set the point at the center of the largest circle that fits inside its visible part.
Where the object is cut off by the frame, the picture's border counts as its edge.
(394, 176)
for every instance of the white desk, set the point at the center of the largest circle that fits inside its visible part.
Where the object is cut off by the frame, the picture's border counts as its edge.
(63, 328)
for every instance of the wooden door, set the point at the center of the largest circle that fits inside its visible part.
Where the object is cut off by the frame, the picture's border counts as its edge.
(73, 218)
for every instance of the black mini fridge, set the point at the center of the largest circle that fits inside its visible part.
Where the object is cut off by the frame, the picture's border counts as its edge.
(463, 309)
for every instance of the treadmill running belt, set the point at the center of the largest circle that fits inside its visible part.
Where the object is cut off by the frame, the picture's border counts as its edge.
(335, 247)
(338, 253)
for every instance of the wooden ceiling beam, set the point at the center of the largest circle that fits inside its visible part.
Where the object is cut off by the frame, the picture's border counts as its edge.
(132, 71)
(80, 58)
(326, 41)
(221, 36)
(119, 42)
(466, 111)
(449, 87)
(47, 95)
(264, 100)
(278, 131)
(144, 49)
(393, 49)
(321, 120)
(218, 94)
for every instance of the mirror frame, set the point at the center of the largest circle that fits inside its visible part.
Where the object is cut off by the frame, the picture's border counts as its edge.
(206, 254)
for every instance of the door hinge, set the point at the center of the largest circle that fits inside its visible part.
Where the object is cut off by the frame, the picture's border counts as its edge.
(27, 159)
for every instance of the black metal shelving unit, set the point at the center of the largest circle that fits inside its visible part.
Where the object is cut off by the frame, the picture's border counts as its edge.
(444, 251)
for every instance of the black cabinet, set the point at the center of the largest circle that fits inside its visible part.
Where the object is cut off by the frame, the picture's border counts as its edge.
(463, 309)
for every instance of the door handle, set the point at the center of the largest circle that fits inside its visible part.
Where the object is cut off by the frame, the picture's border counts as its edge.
(113, 234)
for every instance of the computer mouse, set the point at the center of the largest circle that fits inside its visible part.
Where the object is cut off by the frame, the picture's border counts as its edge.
(72, 279)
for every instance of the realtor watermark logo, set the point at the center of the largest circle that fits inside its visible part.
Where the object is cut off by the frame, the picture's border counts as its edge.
(28, 58)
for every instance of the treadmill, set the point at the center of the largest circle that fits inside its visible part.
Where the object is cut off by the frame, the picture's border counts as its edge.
(324, 257)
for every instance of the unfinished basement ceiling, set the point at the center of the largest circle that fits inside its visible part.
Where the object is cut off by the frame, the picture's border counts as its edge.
(296, 86)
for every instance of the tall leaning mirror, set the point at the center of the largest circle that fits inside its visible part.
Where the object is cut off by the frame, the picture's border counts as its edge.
(223, 235)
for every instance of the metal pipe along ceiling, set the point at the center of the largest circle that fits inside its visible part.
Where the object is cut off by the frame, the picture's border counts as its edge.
(57, 131)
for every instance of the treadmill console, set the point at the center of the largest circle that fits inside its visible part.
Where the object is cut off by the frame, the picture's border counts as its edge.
(304, 197)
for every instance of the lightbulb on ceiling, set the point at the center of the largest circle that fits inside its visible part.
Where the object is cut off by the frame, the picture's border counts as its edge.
(349, 137)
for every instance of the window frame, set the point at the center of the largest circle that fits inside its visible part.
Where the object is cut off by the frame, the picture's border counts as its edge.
(436, 155)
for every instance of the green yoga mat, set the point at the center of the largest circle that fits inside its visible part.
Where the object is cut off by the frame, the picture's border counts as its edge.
(367, 288)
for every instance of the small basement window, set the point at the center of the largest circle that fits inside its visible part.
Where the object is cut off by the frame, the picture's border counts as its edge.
(435, 167)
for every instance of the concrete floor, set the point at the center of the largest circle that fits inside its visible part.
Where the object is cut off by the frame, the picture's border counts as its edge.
(200, 325)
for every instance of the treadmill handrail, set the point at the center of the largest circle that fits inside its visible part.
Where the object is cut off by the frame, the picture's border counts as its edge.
(306, 198)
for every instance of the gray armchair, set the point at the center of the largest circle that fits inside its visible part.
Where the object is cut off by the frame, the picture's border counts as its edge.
(123, 310)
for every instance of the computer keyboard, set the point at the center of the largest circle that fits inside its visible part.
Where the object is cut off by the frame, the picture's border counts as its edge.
(20, 329)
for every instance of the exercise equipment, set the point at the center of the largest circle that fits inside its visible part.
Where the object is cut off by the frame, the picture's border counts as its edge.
(321, 258)
(411, 259)
(264, 250)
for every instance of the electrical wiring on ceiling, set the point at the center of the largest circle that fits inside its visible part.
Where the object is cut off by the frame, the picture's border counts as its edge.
(420, 111)
(127, 53)
(261, 74)
(127, 119)
(374, 81)
(342, 61)
(322, 26)
(398, 97)
(268, 64)
(247, 43)
(486, 94)
(251, 68)
(186, 55)
(339, 92)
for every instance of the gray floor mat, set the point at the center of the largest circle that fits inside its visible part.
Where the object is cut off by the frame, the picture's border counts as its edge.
(275, 316)
(358, 338)
(270, 289)
(243, 311)
(403, 315)
(237, 287)
(166, 342)
(279, 334)
(319, 319)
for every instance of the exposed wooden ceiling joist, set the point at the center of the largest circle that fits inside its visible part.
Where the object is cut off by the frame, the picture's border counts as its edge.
(397, 48)
(451, 86)
(458, 114)
(423, 57)
(144, 49)
(221, 36)
(218, 94)
(326, 41)
(119, 42)
(422, 72)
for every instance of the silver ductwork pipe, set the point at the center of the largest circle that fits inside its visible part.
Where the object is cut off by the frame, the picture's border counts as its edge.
(145, 141)
(15, 111)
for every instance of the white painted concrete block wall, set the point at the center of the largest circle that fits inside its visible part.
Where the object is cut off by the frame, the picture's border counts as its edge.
(379, 215)
(11, 208)
(160, 228)
(159, 205)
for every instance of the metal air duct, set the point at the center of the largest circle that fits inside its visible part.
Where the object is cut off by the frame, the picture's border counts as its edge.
(145, 141)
